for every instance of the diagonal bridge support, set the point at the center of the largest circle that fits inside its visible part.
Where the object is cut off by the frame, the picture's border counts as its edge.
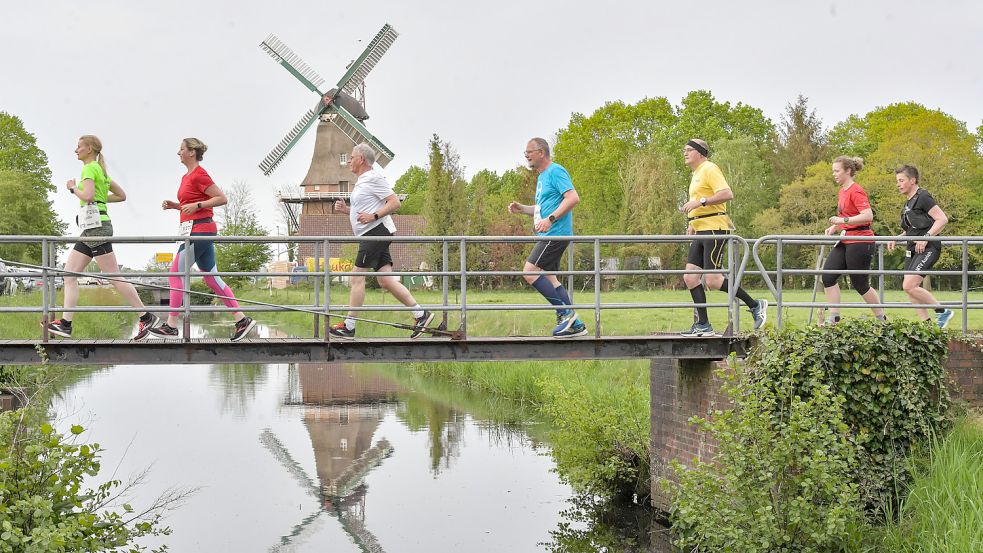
(376, 350)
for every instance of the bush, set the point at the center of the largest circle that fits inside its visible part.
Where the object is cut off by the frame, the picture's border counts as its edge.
(781, 477)
(43, 505)
(892, 379)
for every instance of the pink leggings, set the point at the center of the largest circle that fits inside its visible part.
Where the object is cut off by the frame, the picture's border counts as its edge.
(203, 254)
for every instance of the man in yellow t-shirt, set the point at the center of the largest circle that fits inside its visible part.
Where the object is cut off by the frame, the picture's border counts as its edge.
(706, 212)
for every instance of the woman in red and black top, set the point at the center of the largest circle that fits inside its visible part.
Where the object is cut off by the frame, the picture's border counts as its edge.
(854, 219)
(197, 195)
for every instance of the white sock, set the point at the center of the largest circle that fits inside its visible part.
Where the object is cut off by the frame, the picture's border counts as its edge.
(417, 311)
(350, 323)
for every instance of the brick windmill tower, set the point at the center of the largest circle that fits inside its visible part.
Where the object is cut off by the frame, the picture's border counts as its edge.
(340, 126)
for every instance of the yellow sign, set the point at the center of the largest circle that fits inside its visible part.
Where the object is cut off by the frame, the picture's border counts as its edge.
(165, 257)
(337, 264)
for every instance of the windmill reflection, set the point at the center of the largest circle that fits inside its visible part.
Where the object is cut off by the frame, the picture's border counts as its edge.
(342, 411)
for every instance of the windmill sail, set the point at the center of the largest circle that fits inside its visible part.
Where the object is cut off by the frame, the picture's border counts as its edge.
(369, 58)
(292, 63)
(274, 158)
(358, 133)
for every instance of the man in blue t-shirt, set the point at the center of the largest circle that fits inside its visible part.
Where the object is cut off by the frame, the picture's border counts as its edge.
(552, 216)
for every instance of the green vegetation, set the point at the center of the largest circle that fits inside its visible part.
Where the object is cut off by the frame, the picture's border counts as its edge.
(824, 425)
(85, 325)
(944, 508)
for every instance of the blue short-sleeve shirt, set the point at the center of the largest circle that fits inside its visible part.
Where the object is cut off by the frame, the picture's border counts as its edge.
(550, 187)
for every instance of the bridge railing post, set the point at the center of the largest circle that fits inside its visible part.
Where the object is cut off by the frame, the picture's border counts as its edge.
(186, 278)
(464, 289)
(597, 287)
(317, 288)
(733, 316)
(570, 247)
(965, 285)
(778, 282)
(327, 292)
(45, 263)
(445, 280)
(880, 268)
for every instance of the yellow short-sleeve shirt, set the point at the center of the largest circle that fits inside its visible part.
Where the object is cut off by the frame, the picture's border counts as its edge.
(708, 180)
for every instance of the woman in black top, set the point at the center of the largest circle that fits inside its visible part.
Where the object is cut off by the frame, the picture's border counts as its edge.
(920, 216)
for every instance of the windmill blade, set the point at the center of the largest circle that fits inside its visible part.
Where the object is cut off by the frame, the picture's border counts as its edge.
(274, 158)
(292, 63)
(361, 67)
(358, 133)
(276, 447)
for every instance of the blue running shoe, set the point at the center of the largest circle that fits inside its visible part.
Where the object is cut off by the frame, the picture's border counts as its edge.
(576, 329)
(698, 330)
(564, 320)
(944, 317)
(760, 313)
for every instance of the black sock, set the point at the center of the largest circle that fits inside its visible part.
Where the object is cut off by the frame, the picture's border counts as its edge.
(741, 295)
(700, 296)
(940, 310)
(146, 317)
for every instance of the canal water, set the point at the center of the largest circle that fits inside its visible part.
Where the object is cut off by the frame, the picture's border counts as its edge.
(321, 457)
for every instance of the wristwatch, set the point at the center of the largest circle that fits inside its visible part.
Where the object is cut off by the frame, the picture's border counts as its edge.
(199, 205)
(703, 202)
(552, 218)
(376, 215)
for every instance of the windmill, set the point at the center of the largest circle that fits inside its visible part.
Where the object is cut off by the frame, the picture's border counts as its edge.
(343, 112)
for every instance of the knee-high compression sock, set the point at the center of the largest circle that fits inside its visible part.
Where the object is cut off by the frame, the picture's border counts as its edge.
(700, 296)
(563, 295)
(545, 287)
(741, 295)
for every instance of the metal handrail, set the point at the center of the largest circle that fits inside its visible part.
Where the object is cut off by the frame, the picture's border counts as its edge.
(779, 240)
(733, 269)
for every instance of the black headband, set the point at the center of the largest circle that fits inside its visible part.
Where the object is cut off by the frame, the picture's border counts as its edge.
(699, 148)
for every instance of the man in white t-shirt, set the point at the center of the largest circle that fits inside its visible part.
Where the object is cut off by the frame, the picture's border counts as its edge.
(372, 202)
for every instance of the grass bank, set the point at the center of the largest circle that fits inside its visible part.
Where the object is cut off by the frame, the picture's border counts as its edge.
(85, 325)
(944, 509)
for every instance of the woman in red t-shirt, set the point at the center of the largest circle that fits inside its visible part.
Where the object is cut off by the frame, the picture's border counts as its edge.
(197, 195)
(853, 219)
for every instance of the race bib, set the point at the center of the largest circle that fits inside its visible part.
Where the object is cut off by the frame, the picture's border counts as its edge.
(89, 217)
(537, 216)
(185, 228)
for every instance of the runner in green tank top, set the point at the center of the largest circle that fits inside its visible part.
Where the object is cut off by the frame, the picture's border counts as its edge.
(95, 187)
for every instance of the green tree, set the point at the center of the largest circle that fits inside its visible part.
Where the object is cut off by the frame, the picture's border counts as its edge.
(413, 183)
(239, 218)
(19, 152)
(750, 178)
(27, 210)
(801, 141)
(445, 208)
(860, 136)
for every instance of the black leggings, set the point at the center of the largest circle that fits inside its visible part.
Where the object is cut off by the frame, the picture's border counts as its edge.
(850, 256)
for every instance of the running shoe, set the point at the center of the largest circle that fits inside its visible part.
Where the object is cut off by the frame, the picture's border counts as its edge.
(144, 330)
(564, 321)
(944, 317)
(578, 328)
(699, 330)
(421, 323)
(243, 326)
(60, 327)
(164, 331)
(341, 331)
(760, 314)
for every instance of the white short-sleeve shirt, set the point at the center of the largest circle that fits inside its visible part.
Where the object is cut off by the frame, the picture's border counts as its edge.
(369, 196)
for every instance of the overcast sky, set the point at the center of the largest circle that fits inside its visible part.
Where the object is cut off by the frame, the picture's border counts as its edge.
(484, 76)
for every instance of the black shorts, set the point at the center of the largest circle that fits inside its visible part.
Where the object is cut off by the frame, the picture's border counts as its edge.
(546, 254)
(921, 261)
(374, 255)
(708, 254)
(96, 245)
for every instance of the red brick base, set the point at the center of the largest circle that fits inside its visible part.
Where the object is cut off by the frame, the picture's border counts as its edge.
(682, 389)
